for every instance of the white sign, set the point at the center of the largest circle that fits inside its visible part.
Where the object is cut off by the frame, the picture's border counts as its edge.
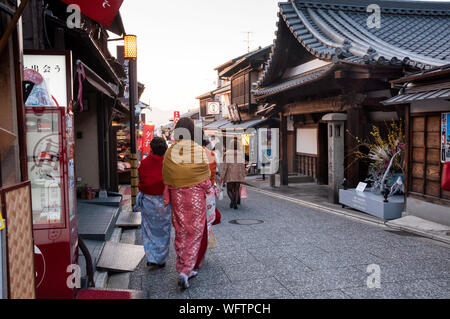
(213, 108)
(307, 141)
(53, 69)
(361, 187)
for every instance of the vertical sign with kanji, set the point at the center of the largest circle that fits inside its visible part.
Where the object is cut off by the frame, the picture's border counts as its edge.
(147, 136)
(176, 118)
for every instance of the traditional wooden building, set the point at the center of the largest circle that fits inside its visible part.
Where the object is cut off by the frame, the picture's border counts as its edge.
(425, 96)
(240, 109)
(326, 59)
(97, 75)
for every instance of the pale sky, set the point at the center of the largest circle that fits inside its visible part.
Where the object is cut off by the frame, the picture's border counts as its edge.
(180, 42)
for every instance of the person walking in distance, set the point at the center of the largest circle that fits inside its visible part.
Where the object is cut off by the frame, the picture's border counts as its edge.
(233, 172)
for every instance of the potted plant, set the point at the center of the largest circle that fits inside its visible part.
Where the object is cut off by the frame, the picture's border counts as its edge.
(85, 192)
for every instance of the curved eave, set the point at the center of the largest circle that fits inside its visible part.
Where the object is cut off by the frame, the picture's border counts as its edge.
(304, 79)
(328, 32)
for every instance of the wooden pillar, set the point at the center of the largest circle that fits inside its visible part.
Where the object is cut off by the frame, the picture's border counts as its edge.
(284, 174)
(101, 141)
(355, 125)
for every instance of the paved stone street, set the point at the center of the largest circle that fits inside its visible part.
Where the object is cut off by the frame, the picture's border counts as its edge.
(301, 253)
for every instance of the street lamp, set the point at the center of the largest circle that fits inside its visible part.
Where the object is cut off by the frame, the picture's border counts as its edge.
(130, 47)
(130, 53)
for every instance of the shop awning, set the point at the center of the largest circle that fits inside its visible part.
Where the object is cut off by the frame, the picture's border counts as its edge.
(216, 124)
(244, 125)
(442, 94)
(97, 82)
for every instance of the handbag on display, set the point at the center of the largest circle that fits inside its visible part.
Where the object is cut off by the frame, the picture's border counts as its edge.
(243, 192)
(445, 180)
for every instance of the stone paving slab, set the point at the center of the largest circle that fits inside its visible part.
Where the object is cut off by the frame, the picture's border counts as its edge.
(129, 219)
(120, 257)
(302, 253)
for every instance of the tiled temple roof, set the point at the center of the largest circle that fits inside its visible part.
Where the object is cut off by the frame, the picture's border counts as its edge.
(412, 33)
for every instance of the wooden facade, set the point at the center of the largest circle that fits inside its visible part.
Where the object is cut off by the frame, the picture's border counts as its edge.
(425, 97)
(425, 156)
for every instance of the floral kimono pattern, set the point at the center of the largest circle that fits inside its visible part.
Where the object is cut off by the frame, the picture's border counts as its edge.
(189, 220)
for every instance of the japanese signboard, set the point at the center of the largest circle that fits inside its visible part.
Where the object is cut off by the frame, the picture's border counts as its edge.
(49, 75)
(445, 138)
(213, 108)
(102, 11)
(147, 136)
(235, 115)
(176, 118)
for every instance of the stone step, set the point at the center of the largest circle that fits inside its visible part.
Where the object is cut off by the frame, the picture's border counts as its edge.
(95, 221)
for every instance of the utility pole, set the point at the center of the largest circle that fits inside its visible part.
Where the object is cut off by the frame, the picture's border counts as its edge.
(248, 41)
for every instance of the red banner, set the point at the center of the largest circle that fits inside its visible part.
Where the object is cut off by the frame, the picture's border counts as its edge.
(176, 118)
(147, 136)
(102, 11)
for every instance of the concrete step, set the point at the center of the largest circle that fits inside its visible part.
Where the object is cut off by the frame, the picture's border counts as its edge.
(95, 221)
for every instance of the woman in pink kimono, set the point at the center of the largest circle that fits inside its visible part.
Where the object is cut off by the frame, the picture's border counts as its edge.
(187, 176)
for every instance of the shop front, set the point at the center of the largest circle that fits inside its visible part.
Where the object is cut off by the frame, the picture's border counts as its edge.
(426, 99)
(17, 269)
(51, 169)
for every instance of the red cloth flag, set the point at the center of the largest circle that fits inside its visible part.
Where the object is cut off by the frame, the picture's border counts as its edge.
(102, 11)
(148, 133)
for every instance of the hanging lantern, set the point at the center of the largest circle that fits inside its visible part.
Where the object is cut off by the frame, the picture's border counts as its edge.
(130, 48)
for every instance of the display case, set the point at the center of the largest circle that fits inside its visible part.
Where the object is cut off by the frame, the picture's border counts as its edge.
(50, 157)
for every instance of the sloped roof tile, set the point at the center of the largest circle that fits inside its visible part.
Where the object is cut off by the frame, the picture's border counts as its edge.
(415, 33)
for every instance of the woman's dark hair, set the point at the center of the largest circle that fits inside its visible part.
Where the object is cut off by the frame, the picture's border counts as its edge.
(184, 124)
(158, 146)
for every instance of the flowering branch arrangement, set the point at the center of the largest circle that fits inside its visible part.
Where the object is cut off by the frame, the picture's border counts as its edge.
(381, 151)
